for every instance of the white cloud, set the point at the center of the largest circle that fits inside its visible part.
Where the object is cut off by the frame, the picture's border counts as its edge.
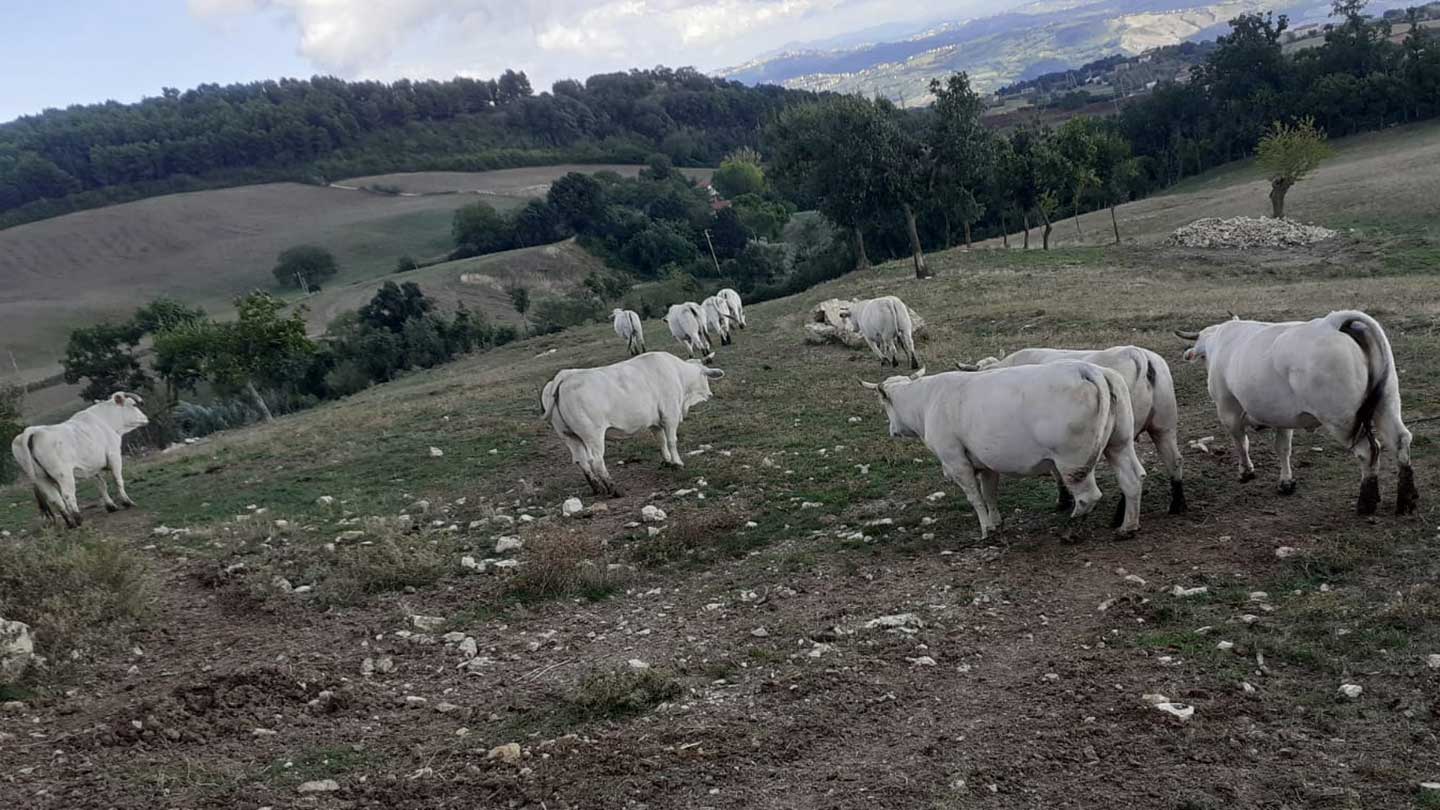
(552, 39)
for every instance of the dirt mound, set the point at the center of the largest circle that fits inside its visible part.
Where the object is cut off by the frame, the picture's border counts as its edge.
(1247, 232)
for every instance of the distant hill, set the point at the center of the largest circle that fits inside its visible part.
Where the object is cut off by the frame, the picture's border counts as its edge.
(1005, 48)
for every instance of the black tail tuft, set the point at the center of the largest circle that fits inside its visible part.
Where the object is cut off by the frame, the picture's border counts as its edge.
(1150, 372)
(1363, 426)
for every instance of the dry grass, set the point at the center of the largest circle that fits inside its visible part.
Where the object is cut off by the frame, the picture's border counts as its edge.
(77, 590)
(611, 694)
(563, 563)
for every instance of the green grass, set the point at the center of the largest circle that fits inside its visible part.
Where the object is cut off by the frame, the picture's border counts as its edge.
(319, 762)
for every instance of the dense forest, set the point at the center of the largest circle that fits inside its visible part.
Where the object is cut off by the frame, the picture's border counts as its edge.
(325, 128)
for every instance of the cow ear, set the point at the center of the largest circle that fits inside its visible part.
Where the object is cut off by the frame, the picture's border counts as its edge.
(713, 373)
(118, 398)
(869, 386)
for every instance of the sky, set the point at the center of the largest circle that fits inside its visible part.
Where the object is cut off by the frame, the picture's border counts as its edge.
(63, 52)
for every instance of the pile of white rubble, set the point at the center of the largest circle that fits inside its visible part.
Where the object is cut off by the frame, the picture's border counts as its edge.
(1247, 232)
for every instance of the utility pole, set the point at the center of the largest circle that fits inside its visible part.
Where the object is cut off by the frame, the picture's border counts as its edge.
(713, 257)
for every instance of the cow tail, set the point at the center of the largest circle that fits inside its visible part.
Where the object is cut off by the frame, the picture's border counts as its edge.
(905, 327)
(1105, 406)
(558, 415)
(1379, 366)
(31, 462)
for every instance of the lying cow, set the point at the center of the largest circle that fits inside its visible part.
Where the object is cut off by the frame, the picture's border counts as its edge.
(687, 325)
(627, 326)
(86, 444)
(731, 300)
(1054, 419)
(1152, 399)
(717, 319)
(653, 392)
(1335, 372)
(884, 323)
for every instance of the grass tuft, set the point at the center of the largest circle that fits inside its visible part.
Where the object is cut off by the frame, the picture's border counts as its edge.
(563, 564)
(622, 693)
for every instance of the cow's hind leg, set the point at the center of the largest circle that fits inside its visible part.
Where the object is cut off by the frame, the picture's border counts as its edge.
(989, 490)
(1234, 420)
(1282, 441)
(1168, 447)
(581, 457)
(1130, 475)
(42, 500)
(1393, 435)
(963, 474)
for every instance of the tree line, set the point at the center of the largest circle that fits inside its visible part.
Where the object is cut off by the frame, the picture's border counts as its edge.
(908, 180)
(324, 128)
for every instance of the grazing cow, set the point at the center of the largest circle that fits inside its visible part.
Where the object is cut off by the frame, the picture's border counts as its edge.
(884, 322)
(1052, 419)
(687, 325)
(627, 326)
(86, 444)
(1152, 400)
(1335, 372)
(717, 319)
(653, 392)
(731, 299)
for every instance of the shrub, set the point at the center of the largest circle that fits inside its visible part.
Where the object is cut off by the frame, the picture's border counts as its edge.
(478, 228)
(405, 264)
(11, 398)
(346, 378)
(305, 266)
(563, 564)
(556, 314)
(75, 589)
(390, 565)
(505, 333)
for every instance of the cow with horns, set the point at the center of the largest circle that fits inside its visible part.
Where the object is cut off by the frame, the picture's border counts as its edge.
(1335, 372)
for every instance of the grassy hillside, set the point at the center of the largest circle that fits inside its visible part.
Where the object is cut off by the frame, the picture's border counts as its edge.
(1017, 680)
(207, 247)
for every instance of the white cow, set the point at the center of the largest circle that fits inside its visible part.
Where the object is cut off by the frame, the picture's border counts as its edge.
(717, 319)
(885, 322)
(1152, 399)
(1335, 372)
(653, 392)
(687, 325)
(627, 326)
(86, 444)
(1053, 419)
(731, 299)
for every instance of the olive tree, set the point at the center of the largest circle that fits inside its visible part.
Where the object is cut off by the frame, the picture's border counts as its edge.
(1287, 154)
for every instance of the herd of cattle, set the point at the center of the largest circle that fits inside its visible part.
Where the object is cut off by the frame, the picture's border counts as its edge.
(1038, 411)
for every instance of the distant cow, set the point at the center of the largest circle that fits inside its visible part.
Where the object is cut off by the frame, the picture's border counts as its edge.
(717, 319)
(731, 300)
(1054, 419)
(627, 326)
(687, 325)
(86, 444)
(1335, 372)
(1152, 399)
(653, 392)
(885, 325)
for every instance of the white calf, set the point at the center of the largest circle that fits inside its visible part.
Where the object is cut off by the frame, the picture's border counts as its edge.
(86, 444)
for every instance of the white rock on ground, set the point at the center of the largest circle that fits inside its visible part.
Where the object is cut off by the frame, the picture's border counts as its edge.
(652, 514)
(1184, 592)
(1351, 690)
(427, 623)
(469, 648)
(508, 543)
(319, 786)
(638, 665)
(571, 507)
(1286, 551)
(436, 452)
(509, 752)
(17, 649)
(1433, 661)
(325, 500)
(898, 621)
(1180, 711)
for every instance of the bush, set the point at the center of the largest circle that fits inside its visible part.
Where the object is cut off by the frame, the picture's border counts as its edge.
(392, 564)
(556, 314)
(405, 264)
(478, 229)
(563, 564)
(505, 333)
(305, 266)
(11, 398)
(75, 589)
(346, 378)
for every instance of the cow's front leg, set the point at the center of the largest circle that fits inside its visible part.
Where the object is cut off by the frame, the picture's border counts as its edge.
(990, 489)
(672, 438)
(1234, 420)
(963, 474)
(105, 493)
(1282, 440)
(116, 469)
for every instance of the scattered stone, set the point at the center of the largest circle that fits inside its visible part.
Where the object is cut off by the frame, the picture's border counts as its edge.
(281, 584)
(507, 544)
(935, 497)
(1247, 232)
(446, 708)
(325, 500)
(1184, 592)
(436, 452)
(855, 420)
(1051, 676)
(349, 537)
(750, 524)
(1433, 661)
(17, 649)
(453, 637)
(1351, 690)
(427, 623)
(1247, 688)
(922, 661)
(468, 647)
(509, 752)
(262, 732)
(908, 622)
(384, 664)
(760, 632)
(469, 563)
(502, 566)
(319, 786)
(652, 514)
(652, 531)
(638, 665)
(1286, 551)
(1225, 645)
(1179, 711)
(1132, 578)
(415, 701)
(419, 507)
(811, 505)
(1430, 786)
(571, 507)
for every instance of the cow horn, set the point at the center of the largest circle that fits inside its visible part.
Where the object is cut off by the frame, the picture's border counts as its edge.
(966, 366)
(1183, 335)
(869, 385)
(1232, 315)
(917, 374)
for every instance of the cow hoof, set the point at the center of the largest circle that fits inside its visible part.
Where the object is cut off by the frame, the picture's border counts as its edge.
(1177, 498)
(1126, 534)
(1369, 496)
(1287, 487)
(1407, 497)
(110, 507)
(1066, 501)
(1118, 519)
(1247, 476)
(128, 504)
